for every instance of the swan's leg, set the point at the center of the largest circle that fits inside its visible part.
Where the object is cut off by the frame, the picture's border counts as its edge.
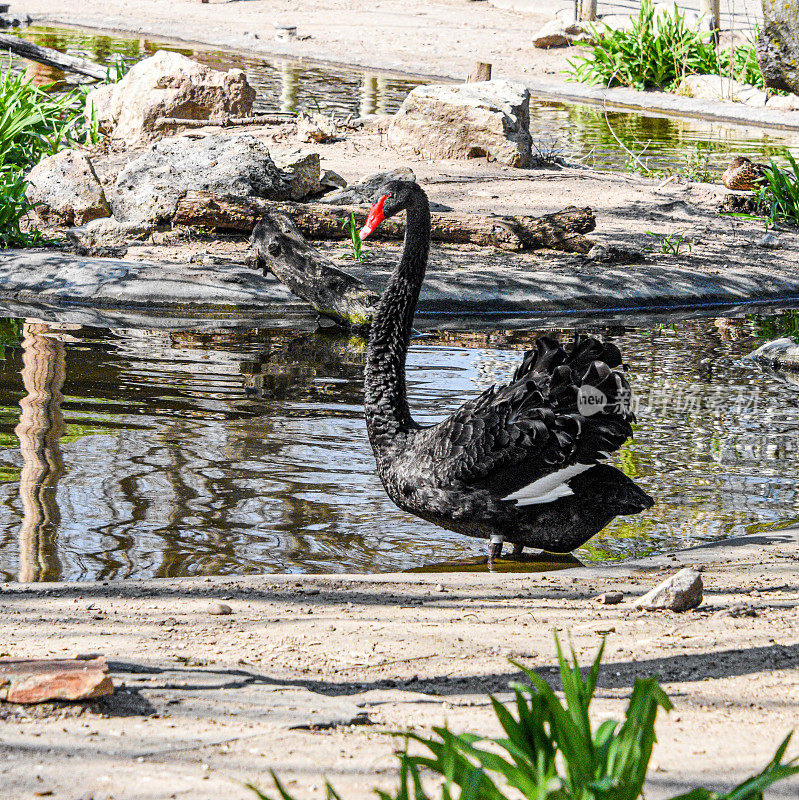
(518, 548)
(495, 547)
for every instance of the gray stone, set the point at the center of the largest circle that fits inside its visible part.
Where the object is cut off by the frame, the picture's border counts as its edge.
(102, 236)
(332, 180)
(487, 119)
(780, 352)
(769, 241)
(363, 192)
(680, 592)
(783, 102)
(610, 598)
(166, 85)
(302, 173)
(65, 190)
(611, 253)
(220, 609)
(147, 190)
(556, 33)
(778, 45)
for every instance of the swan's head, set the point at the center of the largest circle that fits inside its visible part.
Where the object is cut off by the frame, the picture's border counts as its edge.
(392, 197)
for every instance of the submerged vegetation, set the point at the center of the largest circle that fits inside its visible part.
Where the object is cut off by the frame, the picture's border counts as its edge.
(551, 751)
(658, 51)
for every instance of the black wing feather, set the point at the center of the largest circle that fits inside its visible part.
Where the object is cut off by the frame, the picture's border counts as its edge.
(532, 426)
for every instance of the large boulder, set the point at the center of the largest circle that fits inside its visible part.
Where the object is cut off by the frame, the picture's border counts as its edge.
(166, 85)
(65, 190)
(778, 45)
(148, 189)
(302, 173)
(471, 120)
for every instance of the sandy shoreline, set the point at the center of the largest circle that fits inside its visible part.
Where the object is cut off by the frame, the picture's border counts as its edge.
(212, 701)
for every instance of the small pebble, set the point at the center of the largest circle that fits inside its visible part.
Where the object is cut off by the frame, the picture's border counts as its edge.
(770, 241)
(220, 609)
(610, 598)
(440, 587)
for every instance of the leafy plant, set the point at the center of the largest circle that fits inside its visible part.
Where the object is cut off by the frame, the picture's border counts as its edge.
(356, 244)
(14, 207)
(671, 243)
(550, 750)
(780, 194)
(658, 51)
(697, 164)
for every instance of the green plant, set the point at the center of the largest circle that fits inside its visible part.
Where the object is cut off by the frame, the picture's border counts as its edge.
(356, 244)
(780, 194)
(551, 751)
(659, 50)
(697, 164)
(671, 243)
(14, 207)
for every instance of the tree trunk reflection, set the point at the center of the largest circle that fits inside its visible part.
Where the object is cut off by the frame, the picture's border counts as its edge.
(41, 425)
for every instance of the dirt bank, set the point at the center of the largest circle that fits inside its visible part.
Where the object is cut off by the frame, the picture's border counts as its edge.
(210, 701)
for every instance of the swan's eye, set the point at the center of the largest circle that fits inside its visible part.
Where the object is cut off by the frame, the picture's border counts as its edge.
(390, 194)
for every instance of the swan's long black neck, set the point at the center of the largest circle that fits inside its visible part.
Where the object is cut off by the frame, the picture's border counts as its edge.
(387, 414)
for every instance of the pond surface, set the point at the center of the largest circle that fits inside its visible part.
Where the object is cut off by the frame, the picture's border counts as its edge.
(137, 453)
(577, 131)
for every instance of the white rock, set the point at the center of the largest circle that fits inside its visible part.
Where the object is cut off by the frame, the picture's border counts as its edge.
(681, 592)
(302, 172)
(783, 102)
(106, 232)
(783, 352)
(166, 85)
(316, 127)
(715, 88)
(472, 120)
(65, 189)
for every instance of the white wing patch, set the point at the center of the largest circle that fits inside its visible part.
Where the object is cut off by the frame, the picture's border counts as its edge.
(548, 488)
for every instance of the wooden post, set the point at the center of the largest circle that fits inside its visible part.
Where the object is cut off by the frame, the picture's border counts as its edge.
(710, 9)
(585, 10)
(481, 72)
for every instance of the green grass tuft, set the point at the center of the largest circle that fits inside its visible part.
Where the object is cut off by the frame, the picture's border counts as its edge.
(551, 751)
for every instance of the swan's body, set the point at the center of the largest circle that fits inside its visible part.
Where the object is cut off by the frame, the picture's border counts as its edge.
(518, 462)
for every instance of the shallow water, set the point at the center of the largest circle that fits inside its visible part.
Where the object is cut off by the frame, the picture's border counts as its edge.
(576, 131)
(137, 453)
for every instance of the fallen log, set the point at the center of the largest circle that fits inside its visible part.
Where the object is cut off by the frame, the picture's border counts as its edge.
(52, 58)
(279, 247)
(562, 230)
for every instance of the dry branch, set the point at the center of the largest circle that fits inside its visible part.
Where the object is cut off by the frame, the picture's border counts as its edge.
(224, 121)
(52, 58)
(562, 230)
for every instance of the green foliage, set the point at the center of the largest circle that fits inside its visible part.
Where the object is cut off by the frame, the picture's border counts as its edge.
(670, 244)
(33, 124)
(356, 244)
(697, 164)
(658, 52)
(550, 751)
(10, 334)
(780, 194)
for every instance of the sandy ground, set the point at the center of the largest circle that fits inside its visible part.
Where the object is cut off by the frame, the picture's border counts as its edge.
(442, 38)
(211, 701)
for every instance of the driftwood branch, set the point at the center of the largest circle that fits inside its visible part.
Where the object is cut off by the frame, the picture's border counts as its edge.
(52, 58)
(562, 230)
(279, 247)
(225, 121)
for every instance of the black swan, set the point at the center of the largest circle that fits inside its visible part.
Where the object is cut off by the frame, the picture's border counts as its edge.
(520, 462)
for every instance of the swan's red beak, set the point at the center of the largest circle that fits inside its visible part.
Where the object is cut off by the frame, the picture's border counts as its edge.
(376, 216)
